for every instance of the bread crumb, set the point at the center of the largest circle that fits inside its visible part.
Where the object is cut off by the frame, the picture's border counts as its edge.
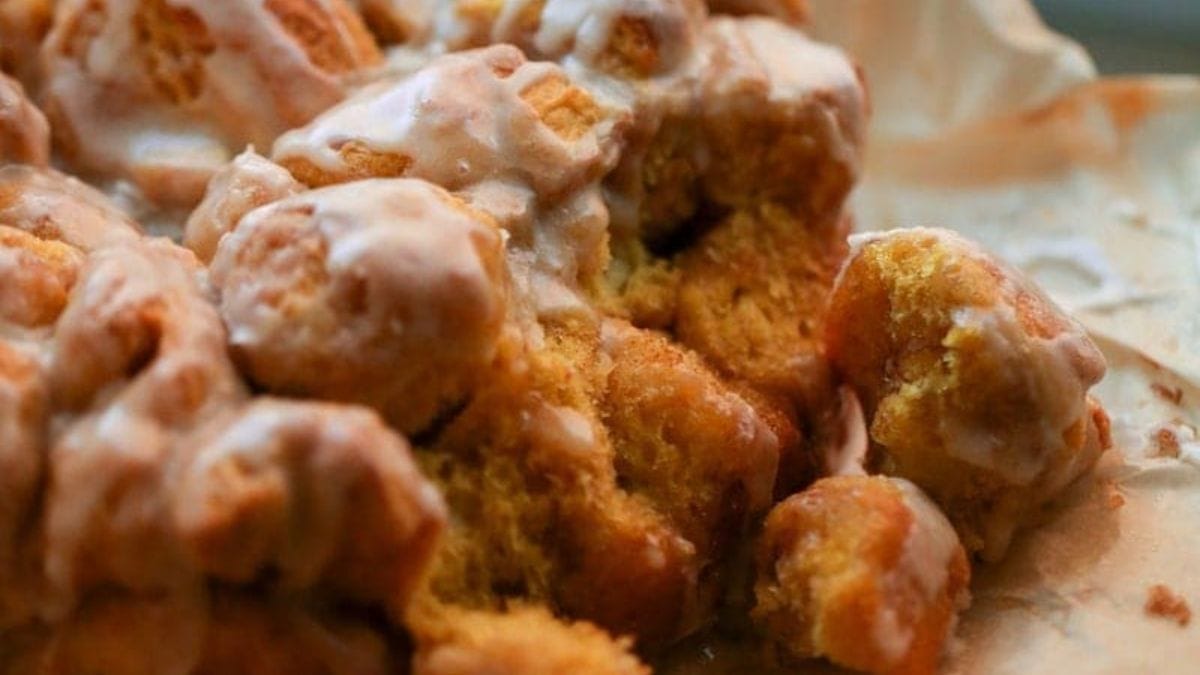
(1162, 602)
(1169, 394)
(1112, 495)
(1167, 442)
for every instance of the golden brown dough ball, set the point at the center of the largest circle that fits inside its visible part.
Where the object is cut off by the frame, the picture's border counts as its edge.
(23, 25)
(775, 131)
(610, 477)
(631, 39)
(24, 132)
(753, 296)
(319, 494)
(973, 383)
(24, 416)
(115, 633)
(46, 224)
(751, 128)
(391, 293)
(50, 205)
(247, 634)
(685, 441)
(162, 93)
(155, 518)
(278, 536)
(521, 641)
(516, 139)
(864, 571)
(463, 119)
(138, 358)
(527, 471)
(246, 183)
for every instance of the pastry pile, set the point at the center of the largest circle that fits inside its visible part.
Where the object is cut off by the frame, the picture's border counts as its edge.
(488, 336)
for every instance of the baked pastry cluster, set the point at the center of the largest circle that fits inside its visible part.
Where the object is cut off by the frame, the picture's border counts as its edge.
(505, 336)
(158, 517)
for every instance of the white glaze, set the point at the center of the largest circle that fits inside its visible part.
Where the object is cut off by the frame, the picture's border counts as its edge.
(256, 82)
(1047, 371)
(847, 456)
(1053, 374)
(929, 549)
(463, 123)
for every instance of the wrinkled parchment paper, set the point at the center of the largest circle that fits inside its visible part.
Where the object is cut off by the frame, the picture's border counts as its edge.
(988, 123)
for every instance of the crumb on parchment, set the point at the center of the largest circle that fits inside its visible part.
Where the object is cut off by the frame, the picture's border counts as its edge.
(1167, 393)
(1162, 602)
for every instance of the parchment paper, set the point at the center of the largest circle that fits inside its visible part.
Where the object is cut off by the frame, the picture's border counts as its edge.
(988, 123)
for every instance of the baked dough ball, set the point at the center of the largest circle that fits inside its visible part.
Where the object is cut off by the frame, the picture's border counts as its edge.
(397, 21)
(685, 441)
(973, 383)
(624, 38)
(52, 206)
(738, 229)
(862, 570)
(316, 494)
(155, 518)
(47, 224)
(246, 183)
(246, 634)
(774, 130)
(108, 335)
(286, 510)
(751, 128)
(462, 119)
(516, 139)
(753, 295)
(161, 93)
(24, 132)
(521, 641)
(23, 24)
(610, 479)
(391, 293)
(629, 39)
(138, 356)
